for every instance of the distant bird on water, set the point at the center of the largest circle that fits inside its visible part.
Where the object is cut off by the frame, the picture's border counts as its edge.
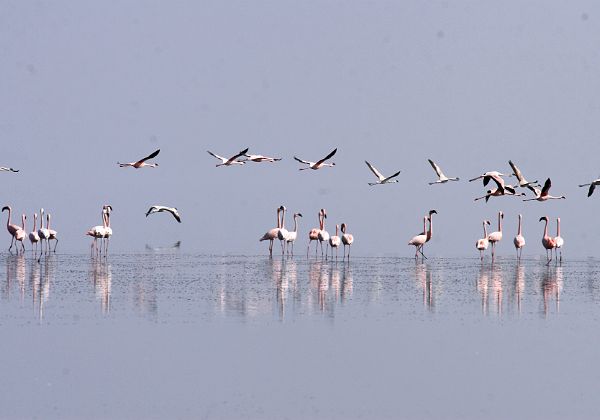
(159, 209)
(482, 244)
(313, 234)
(261, 158)
(558, 240)
(592, 186)
(142, 162)
(382, 179)
(5, 169)
(543, 194)
(519, 240)
(319, 164)
(441, 177)
(229, 161)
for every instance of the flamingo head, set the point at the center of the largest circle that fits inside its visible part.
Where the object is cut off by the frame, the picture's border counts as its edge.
(298, 214)
(545, 218)
(343, 227)
(5, 208)
(432, 212)
(487, 222)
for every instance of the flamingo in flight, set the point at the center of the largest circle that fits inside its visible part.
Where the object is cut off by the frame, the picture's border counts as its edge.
(592, 186)
(519, 240)
(6, 169)
(230, 161)
(495, 175)
(261, 158)
(483, 243)
(142, 162)
(522, 181)
(318, 164)
(547, 241)
(543, 194)
(442, 179)
(382, 179)
(501, 189)
(495, 237)
(159, 209)
(347, 239)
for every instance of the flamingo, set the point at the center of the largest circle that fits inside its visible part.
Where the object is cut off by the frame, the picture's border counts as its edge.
(21, 234)
(519, 240)
(482, 244)
(291, 237)
(419, 240)
(5, 169)
(319, 164)
(592, 186)
(313, 234)
(522, 181)
(543, 194)
(12, 229)
(52, 234)
(34, 238)
(558, 240)
(282, 233)
(430, 231)
(158, 209)
(334, 242)
(382, 179)
(323, 234)
(43, 233)
(442, 179)
(229, 161)
(496, 236)
(98, 232)
(261, 158)
(272, 234)
(495, 175)
(347, 239)
(107, 209)
(142, 162)
(547, 241)
(501, 189)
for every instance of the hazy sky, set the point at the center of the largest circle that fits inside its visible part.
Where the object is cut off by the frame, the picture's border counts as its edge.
(470, 84)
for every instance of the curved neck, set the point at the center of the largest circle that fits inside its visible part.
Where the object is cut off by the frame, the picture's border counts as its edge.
(8, 220)
(295, 223)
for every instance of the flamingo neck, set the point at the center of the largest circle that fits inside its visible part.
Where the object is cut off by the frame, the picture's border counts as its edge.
(519, 233)
(546, 229)
(278, 220)
(425, 225)
(336, 229)
(430, 232)
(485, 230)
(295, 223)
(558, 227)
(499, 223)
(47, 221)
(8, 221)
(34, 221)
(283, 219)
(23, 221)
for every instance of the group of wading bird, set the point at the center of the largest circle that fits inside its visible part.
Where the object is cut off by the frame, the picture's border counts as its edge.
(288, 238)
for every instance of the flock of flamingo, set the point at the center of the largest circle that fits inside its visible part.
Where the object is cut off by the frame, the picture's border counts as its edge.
(288, 238)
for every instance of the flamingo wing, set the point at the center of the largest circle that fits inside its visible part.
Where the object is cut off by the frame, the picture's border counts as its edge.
(591, 190)
(303, 161)
(391, 176)
(546, 187)
(234, 157)
(150, 156)
(436, 168)
(175, 214)
(516, 171)
(329, 156)
(375, 171)
(217, 156)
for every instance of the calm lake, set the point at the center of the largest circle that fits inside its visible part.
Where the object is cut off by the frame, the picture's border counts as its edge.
(173, 335)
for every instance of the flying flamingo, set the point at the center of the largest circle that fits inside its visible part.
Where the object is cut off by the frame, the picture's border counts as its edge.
(43, 233)
(158, 209)
(271, 235)
(12, 229)
(382, 179)
(519, 240)
(334, 242)
(282, 233)
(323, 234)
(548, 242)
(419, 240)
(558, 240)
(313, 234)
(21, 234)
(229, 161)
(442, 179)
(142, 162)
(34, 238)
(291, 237)
(52, 234)
(482, 244)
(319, 164)
(5, 169)
(347, 239)
(522, 181)
(501, 189)
(261, 158)
(495, 175)
(592, 186)
(496, 236)
(543, 194)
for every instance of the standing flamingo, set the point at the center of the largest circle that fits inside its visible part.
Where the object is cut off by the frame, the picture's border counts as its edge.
(334, 242)
(482, 244)
(313, 234)
(272, 234)
(12, 229)
(43, 233)
(97, 232)
(52, 234)
(34, 238)
(21, 234)
(323, 234)
(106, 210)
(547, 240)
(291, 236)
(282, 233)
(419, 240)
(347, 239)
(558, 240)
(430, 231)
(519, 240)
(496, 236)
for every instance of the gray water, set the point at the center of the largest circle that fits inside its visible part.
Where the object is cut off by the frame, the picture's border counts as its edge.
(170, 335)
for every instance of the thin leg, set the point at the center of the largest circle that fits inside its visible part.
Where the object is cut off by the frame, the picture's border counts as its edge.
(55, 244)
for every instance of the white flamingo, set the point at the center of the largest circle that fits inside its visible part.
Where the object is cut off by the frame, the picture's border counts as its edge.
(282, 233)
(106, 210)
(547, 241)
(543, 194)
(559, 241)
(419, 240)
(318, 164)
(519, 240)
(313, 234)
(495, 237)
(495, 175)
(382, 179)
(6, 169)
(34, 238)
(98, 232)
(430, 230)
(142, 162)
(442, 179)
(323, 235)
(335, 241)
(21, 233)
(52, 234)
(229, 161)
(592, 185)
(347, 239)
(261, 158)
(271, 235)
(160, 209)
(517, 173)
(482, 244)
(291, 237)
(43, 233)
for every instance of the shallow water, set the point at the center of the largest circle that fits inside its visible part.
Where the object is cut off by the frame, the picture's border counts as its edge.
(170, 335)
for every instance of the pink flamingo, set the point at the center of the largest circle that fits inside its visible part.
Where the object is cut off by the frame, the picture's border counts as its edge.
(106, 210)
(12, 229)
(313, 234)
(543, 195)
(43, 233)
(323, 234)
(347, 239)
(34, 238)
(21, 234)
(483, 243)
(548, 241)
(496, 236)
(430, 231)
(98, 232)
(334, 242)
(519, 240)
(271, 235)
(142, 162)
(282, 233)
(318, 164)
(419, 240)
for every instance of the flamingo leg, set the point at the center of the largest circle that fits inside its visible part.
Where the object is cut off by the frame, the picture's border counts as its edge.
(55, 245)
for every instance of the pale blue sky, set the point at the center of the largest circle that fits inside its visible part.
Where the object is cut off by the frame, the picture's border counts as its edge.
(469, 84)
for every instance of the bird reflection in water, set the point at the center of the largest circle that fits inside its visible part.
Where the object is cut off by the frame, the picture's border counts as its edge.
(40, 277)
(101, 275)
(423, 276)
(482, 288)
(15, 274)
(347, 283)
(552, 284)
(519, 285)
(497, 289)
